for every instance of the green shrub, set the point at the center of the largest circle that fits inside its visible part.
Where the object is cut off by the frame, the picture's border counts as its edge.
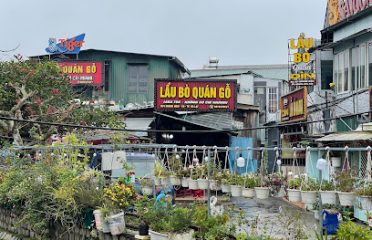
(352, 231)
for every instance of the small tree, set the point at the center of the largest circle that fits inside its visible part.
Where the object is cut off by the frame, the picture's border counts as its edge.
(38, 91)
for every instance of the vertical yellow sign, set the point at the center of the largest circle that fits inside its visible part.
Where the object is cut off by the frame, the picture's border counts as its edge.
(333, 15)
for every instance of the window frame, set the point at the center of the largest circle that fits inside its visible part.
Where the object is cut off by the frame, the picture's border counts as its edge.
(273, 99)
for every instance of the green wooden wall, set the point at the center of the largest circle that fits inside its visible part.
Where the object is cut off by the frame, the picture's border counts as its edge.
(159, 67)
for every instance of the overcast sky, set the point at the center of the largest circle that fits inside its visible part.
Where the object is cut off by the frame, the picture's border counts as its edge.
(235, 31)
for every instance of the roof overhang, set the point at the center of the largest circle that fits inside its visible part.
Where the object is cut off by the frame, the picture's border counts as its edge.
(329, 46)
(347, 137)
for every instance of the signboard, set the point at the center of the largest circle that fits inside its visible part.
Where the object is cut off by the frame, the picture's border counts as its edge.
(65, 45)
(83, 72)
(338, 10)
(293, 106)
(301, 62)
(195, 95)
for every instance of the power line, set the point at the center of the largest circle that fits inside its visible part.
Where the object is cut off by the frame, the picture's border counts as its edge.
(177, 130)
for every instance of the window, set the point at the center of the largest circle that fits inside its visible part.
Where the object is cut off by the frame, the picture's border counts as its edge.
(138, 78)
(358, 67)
(341, 72)
(107, 75)
(326, 73)
(273, 100)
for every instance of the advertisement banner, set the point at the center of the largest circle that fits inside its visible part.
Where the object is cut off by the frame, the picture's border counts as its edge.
(301, 61)
(339, 10)
(195, 95)
(293, 106)
(65, 45)
(89, 73)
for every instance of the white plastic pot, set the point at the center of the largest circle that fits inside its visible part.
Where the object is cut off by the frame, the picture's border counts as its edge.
(171, 236)
(346, 198)
(157, 181)
(101, 224)
(185, 182)
(248, 192)
(294, 195)
(328, 197)
(366, 202)
(225, 188)
(336, 161)
(236, 190)
(164, 181)
(193, 184)
(262, 192)
(213, 185)
(147, 190)
(116, 224)
(308, 197)
(175, 181)
(203, 184)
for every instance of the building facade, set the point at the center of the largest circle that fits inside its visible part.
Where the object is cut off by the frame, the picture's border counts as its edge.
(127, 78)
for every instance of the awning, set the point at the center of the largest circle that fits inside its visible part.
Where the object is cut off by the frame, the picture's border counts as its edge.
(138, 123)
(347, 137)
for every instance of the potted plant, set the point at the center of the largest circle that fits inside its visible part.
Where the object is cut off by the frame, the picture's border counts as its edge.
(294, 194)
(168, 222)
(365, 196)
(263, 187)
(225, 178)
(193, 180)
(100, 216)
(327, 193)
(185, 172)
(158, 172)
(249, 183)
(147, 186)
(202, 177)
(277, 183)
(215, 181)
(236, 183)
(309, 192)
(121, 196)
(345, 186)
(175, 164)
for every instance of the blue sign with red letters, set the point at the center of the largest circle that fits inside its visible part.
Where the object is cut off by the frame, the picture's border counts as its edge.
(65, 45)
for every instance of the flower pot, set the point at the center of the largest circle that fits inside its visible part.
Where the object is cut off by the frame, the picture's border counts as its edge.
(203, 184)
(171, 236)
(101, 224)
(225, 188)
(213, 185)
(147, 190)
(117, 224)
(236, 190)
(158, 236)
(346, 198)
(143, 229)
(164, 181)
(248, 192)
(308, 197)
(175, 181)
(294, 195)
(262, 192)
(336, 161)
(328, 197)
(193, 184)
(157, 181)
(185, 182)
(366, 202)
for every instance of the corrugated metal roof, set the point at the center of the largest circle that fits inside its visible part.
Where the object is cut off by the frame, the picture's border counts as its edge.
(170, 58)
(275, 71)
(347, 137)
(138, 123)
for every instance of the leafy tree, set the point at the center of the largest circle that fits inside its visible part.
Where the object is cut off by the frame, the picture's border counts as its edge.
(38, 91)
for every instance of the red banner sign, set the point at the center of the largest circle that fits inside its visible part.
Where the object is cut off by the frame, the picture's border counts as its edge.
(89, 73)
(195, 95)
(293, 106)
